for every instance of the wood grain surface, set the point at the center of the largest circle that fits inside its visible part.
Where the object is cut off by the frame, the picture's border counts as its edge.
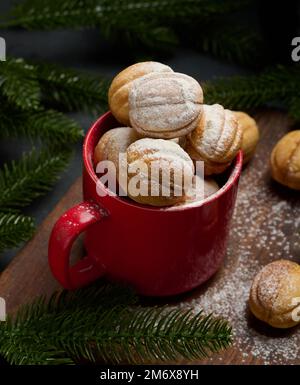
(265, 228)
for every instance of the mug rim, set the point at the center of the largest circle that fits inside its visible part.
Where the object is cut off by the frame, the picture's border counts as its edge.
(89, 166)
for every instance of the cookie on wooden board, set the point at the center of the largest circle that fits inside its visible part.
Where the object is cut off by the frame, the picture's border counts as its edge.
(275, 294)
(285, 160)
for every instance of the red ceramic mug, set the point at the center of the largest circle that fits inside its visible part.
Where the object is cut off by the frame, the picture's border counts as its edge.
(158, 251)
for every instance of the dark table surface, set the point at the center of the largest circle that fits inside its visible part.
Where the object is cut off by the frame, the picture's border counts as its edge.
(85, 50)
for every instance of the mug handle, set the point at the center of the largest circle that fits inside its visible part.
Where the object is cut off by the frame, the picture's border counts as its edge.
(68, 227)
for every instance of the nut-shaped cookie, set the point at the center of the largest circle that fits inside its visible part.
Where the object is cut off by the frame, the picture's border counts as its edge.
(250, 134)
(165, 105)
(118, 91)
(206, 187)
(161, 169)
(217, 138)
(285, 160)
(113, 143)
(181, 141)
(210, 168)
(275, 294)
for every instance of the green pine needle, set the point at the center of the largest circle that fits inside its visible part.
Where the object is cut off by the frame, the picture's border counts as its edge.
(51, 127)
(72, 90)
(51, 85)
(154, 24)
(29, 178)
(109, 14)
(19, 85)
(104, 324)
(14, 229)
(279, 84)
(235, 43)
(26, 85)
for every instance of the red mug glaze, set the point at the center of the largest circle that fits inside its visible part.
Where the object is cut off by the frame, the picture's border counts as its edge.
(158, 251)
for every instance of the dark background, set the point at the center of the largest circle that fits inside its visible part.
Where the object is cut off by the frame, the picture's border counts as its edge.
(87, 51)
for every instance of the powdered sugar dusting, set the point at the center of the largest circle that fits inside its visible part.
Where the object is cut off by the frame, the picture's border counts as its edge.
(165, 105)
(217, 137)
(150, 146)
(266, 227)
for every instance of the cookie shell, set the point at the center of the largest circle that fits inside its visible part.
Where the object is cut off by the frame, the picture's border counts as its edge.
(285, 160)
(114, 142)
(250, 134)
(165, 105)
(210, 168)
(210, 187)
(274, 292)
(161, 154)
(217, 137)
(121, 84)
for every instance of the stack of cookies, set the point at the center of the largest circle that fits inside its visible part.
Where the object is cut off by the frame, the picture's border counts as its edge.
(165, 121)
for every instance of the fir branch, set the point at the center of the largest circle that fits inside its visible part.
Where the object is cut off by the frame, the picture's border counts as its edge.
(235, 43)
(50, 126)
(18, 83)
(246, 92)
(106, 325)
(115, 14)
(144, 34)
(72, 90)
(29, 178)
(61, 87)
(150, 23)
(14, 229)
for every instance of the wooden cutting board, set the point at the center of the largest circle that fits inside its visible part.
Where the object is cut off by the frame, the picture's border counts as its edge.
(266, 227)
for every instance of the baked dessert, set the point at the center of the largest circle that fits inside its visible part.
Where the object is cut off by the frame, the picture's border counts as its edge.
(114, 142)
(210, 168)
(160, 172)
(216, 140)
(210, 187)
(275, 294)
(250, 134)
(121, 84)
(181, 141)
(285, 160)
(200, 190)
(171, 128)
(165, 105)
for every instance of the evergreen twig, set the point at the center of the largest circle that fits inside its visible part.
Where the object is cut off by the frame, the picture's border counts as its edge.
(236, 43)
(29, 178)
(279, 84)
(18, 83)
(14, 229)
(31, 84)
(105, 324)
(155, 24)
(237, 92)
(71, 89)
(51, 127)
(116, 14)
(21, 114)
